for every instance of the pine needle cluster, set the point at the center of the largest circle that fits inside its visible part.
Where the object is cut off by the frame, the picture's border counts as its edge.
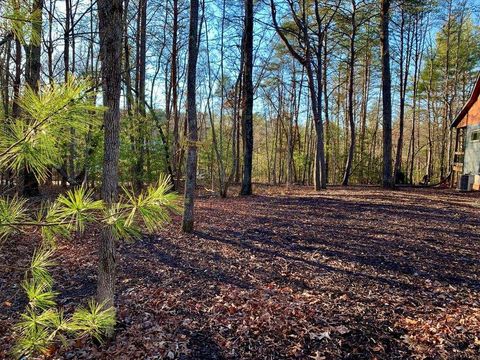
(32, 141)
(43, 323)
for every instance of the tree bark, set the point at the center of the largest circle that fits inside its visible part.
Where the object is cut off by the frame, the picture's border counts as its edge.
(351, 84)
(364, 108)
(110, 15)
(328, 146)
(32, 79)
(247, 112)
(191, 178)
(140, 87)
(17, 79)
(5, 79)
(386, 94)
(173, 106)
(404, 73)
(314, 79)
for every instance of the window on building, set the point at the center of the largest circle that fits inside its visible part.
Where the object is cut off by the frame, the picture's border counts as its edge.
(475, 136)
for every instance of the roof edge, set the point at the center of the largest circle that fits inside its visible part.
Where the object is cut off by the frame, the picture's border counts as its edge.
(473, 98)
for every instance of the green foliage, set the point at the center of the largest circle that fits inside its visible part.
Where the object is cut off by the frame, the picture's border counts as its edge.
(153, 149)
(77, 208)
(43, 324)
(150, 208)
(39, 294)
(34, 337)
(455, 49)
(96, 320)
(51, 216)
(40, 317)
(18, 18)
(12, 211)
(41, 262)
(36, 140)
(116, 220)
(33, 154)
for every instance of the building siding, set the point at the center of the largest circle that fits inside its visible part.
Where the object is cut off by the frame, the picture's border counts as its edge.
(467, 152)
(472, 117)
(471, 164)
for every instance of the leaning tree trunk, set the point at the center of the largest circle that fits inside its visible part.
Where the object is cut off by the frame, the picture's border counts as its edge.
(110, 28)
(191, 178)
(247, 113)
(386, 95)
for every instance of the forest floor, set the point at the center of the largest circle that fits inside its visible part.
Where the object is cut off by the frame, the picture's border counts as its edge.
(356, 273)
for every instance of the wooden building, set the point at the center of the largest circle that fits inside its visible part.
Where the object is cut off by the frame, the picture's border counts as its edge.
(467, 145)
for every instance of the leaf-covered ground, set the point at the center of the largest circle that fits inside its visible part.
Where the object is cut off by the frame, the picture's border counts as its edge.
(357, 273)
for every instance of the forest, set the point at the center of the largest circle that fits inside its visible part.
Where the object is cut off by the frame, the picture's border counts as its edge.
(220, 179)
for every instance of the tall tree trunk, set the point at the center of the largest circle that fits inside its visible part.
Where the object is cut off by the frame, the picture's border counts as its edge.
(50, 48)
(247, 111)
(373, 149)
(238, 94)
(110, 15)
(319, 180)
(173, 106)
(5, 80)
(419, 41)
(217, 147)
(363, 121)
(321, 172)
(66, 40)
(69, 42)
(429, 119)
(328, 151)
(398, 156)
(191, 179)
(386, 94)
(225, 181)
(275, 150)
(32, 79)
(17, 79)
(33, 52)
(290, 134)
(350, 104)
(404, 73)
(50, 45)
(140, 87)
(127, 73)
